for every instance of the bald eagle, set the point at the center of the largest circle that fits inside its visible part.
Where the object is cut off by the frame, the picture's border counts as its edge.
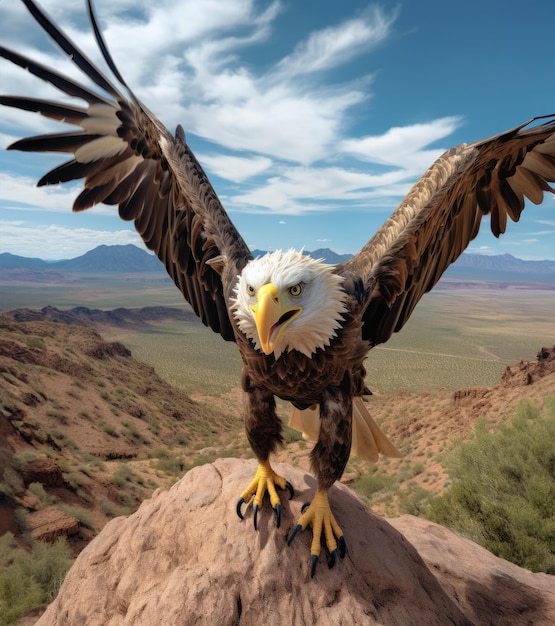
(303, 328)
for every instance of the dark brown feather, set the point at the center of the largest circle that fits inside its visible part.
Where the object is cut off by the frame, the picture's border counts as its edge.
(60, 142)
(442, 214)
(53, 110)
(153, 177)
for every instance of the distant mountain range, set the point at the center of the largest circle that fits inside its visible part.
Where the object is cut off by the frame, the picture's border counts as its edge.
(122, 259)
(116, 259)
(131, 259)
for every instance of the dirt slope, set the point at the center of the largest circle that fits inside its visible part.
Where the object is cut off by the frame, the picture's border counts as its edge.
(73, 408)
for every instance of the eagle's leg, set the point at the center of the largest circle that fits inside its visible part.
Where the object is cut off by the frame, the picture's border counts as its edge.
(328, 458)
(263, 428)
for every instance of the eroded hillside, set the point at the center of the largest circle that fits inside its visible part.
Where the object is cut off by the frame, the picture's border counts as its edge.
(87, 432)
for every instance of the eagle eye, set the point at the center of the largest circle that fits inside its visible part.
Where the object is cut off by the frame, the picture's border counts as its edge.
(296, 290)
(250, 290)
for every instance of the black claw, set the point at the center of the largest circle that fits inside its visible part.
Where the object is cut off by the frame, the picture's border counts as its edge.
(255, 516)
(332, 559)
(240, 503)
(278, 515)
(294, 534)
(342, 546)
(313, 567)
(305, 506)
(289, 488)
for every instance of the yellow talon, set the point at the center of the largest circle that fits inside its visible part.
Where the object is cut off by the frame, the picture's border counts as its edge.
(319, 517)
(265, 480)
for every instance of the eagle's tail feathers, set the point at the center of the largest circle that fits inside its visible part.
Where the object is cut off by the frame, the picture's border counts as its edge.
(368, 441)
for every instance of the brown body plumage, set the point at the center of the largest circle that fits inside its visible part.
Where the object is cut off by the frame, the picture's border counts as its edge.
(127, 158)
(330, 378)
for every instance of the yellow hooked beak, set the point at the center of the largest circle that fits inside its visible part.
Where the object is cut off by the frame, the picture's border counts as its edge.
(272, 316)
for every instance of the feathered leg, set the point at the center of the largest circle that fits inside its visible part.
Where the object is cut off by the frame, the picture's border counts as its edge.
(328, 458)
(263, 428)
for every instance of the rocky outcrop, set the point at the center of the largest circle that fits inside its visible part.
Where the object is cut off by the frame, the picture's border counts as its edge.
(528, 372)
(42, 470)
(185, 558)
(50, 523)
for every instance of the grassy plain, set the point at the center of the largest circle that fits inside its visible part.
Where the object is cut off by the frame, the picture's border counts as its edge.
(453, 340)
(456, 338)
(91, 290)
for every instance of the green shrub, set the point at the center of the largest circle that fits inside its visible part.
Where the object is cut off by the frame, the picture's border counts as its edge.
(108, 429)
(124, 474)
(367, 486)
(35, 342)
(503, 490)
(79, 513)
(30, 579)
(174, 466)
(45, 499)
(109, 508)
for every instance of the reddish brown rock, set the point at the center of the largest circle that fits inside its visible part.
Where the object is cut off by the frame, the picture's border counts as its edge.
(185, 558)
(42, 470)
(51, 523)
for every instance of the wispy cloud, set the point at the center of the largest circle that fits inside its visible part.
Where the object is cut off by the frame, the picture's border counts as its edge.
(403, 146)
(235, 168)
(281, 127)
(52, 241)
(336, 45)
(19, 193)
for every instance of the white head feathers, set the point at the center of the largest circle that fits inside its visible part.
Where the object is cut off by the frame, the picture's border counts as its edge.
(322, 299)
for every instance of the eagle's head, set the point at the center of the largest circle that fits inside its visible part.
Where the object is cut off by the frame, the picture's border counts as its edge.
(287, 301)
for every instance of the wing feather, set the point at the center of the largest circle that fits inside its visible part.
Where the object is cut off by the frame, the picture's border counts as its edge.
(128, 158)
(442, 214)
(53, 110)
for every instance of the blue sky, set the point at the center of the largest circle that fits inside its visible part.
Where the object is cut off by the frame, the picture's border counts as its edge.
(312, 119)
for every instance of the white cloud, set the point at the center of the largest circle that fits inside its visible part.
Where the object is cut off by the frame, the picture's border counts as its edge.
(234, 168)
(335, 45)
(20, 193)
(188, 69)
(297, 189)
(52, 241)
(481, 250)
(282, 128)
(403, 146)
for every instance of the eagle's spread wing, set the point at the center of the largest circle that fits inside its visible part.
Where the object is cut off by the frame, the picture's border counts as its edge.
(442, 214)
(128, 158)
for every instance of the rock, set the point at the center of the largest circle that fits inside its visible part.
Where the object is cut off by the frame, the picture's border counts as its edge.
(528, 372)
(42, 470)
(185, 558)
(51, 523)
(488, 589)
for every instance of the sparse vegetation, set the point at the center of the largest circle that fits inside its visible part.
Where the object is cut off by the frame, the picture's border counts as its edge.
(79, 513)
(109, 429)
(29, 579)
(37, 489)
(35, 342)
(503, 491)
(122, 475)
(110, 509)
